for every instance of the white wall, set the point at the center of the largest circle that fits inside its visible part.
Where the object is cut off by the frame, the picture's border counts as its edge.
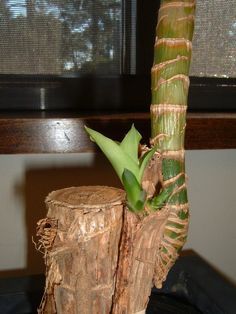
(27, 179)
(212, 196)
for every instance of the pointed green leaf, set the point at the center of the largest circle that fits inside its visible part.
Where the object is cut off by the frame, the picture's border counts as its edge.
(130, 143)
(131, 185)
(139, 205)
(136, 197)
(160, 200)
(144, 161)
(115, 154)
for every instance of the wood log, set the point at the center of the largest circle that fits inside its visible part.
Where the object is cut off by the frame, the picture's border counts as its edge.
(80, 237)
(100, 257)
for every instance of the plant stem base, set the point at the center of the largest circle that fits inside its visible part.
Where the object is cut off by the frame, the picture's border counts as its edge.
(100, 258)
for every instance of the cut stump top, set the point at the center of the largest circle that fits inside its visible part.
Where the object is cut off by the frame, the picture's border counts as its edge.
(87, 197)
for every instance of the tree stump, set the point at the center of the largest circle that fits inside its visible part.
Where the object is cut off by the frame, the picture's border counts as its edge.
(80, 236)
(100, 257)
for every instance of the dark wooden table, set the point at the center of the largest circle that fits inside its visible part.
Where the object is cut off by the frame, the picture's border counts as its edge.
(64, 133)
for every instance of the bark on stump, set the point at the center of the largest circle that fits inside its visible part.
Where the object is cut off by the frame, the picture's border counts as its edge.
(139, 251)
(100, 258)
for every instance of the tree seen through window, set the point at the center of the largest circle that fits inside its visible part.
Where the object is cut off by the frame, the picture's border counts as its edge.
(60, 36)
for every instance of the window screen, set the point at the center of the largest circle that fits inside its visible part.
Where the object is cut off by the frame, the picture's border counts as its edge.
(60, 36)
(214, 44)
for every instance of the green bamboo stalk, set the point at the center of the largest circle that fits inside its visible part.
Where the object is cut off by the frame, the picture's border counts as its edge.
(170, 84)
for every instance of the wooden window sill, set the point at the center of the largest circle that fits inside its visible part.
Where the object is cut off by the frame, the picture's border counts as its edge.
(57, 133)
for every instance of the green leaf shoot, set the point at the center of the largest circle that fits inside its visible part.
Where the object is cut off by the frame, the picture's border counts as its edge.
(161, 199)
(125, 161)
(136, 197)
(144, 161)
(114, 152)
(130, 144)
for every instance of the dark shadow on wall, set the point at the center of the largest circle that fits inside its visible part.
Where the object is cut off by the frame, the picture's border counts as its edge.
(38, 183)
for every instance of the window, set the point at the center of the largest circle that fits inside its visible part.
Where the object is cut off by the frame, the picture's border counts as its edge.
(57, 54)
(97, 55)
(214, 44)
(214, 56)
(213, 71)
(56, 37)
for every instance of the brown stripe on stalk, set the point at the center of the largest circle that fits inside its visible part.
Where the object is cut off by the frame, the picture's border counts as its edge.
(173, 179)
(175, 242)
(163, 108)
(189, 17)
(161, 19)
(178, 189)
(174, 154)
(174, 42)
(160, 66)
(177, 4)
(171, 251)
(172, 228)
(175, 207)
(170, 153)
(181, 77)
(174, 219)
